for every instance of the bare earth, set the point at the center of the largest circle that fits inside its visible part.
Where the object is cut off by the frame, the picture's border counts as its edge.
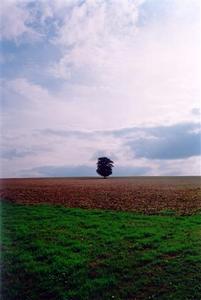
(142, 194)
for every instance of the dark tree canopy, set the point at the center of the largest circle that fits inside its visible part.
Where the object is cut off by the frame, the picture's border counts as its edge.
(104, 166)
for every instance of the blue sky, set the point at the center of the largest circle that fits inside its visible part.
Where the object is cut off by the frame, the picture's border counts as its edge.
(81, 79)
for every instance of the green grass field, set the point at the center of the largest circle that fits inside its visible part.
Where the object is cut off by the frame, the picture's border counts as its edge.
(52, 252)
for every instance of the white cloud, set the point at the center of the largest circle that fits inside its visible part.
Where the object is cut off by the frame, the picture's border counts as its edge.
(94, 21)
(115, 73)
(155, 66)
(30, 91)
(93, 30)
(15, 20)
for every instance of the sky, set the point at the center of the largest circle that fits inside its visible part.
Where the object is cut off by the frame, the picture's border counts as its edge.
(82, 79)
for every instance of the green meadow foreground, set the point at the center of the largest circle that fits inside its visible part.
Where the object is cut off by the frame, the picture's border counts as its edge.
(53, 252)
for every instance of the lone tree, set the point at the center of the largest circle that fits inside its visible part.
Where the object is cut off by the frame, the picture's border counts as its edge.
(104, 166)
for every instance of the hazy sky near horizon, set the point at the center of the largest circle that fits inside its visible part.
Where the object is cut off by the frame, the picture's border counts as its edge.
(86, 78)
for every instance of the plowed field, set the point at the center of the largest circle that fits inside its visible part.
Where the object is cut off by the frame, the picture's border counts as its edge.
(142, 194)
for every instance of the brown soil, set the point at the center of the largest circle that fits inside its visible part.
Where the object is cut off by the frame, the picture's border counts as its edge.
(142, 194)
